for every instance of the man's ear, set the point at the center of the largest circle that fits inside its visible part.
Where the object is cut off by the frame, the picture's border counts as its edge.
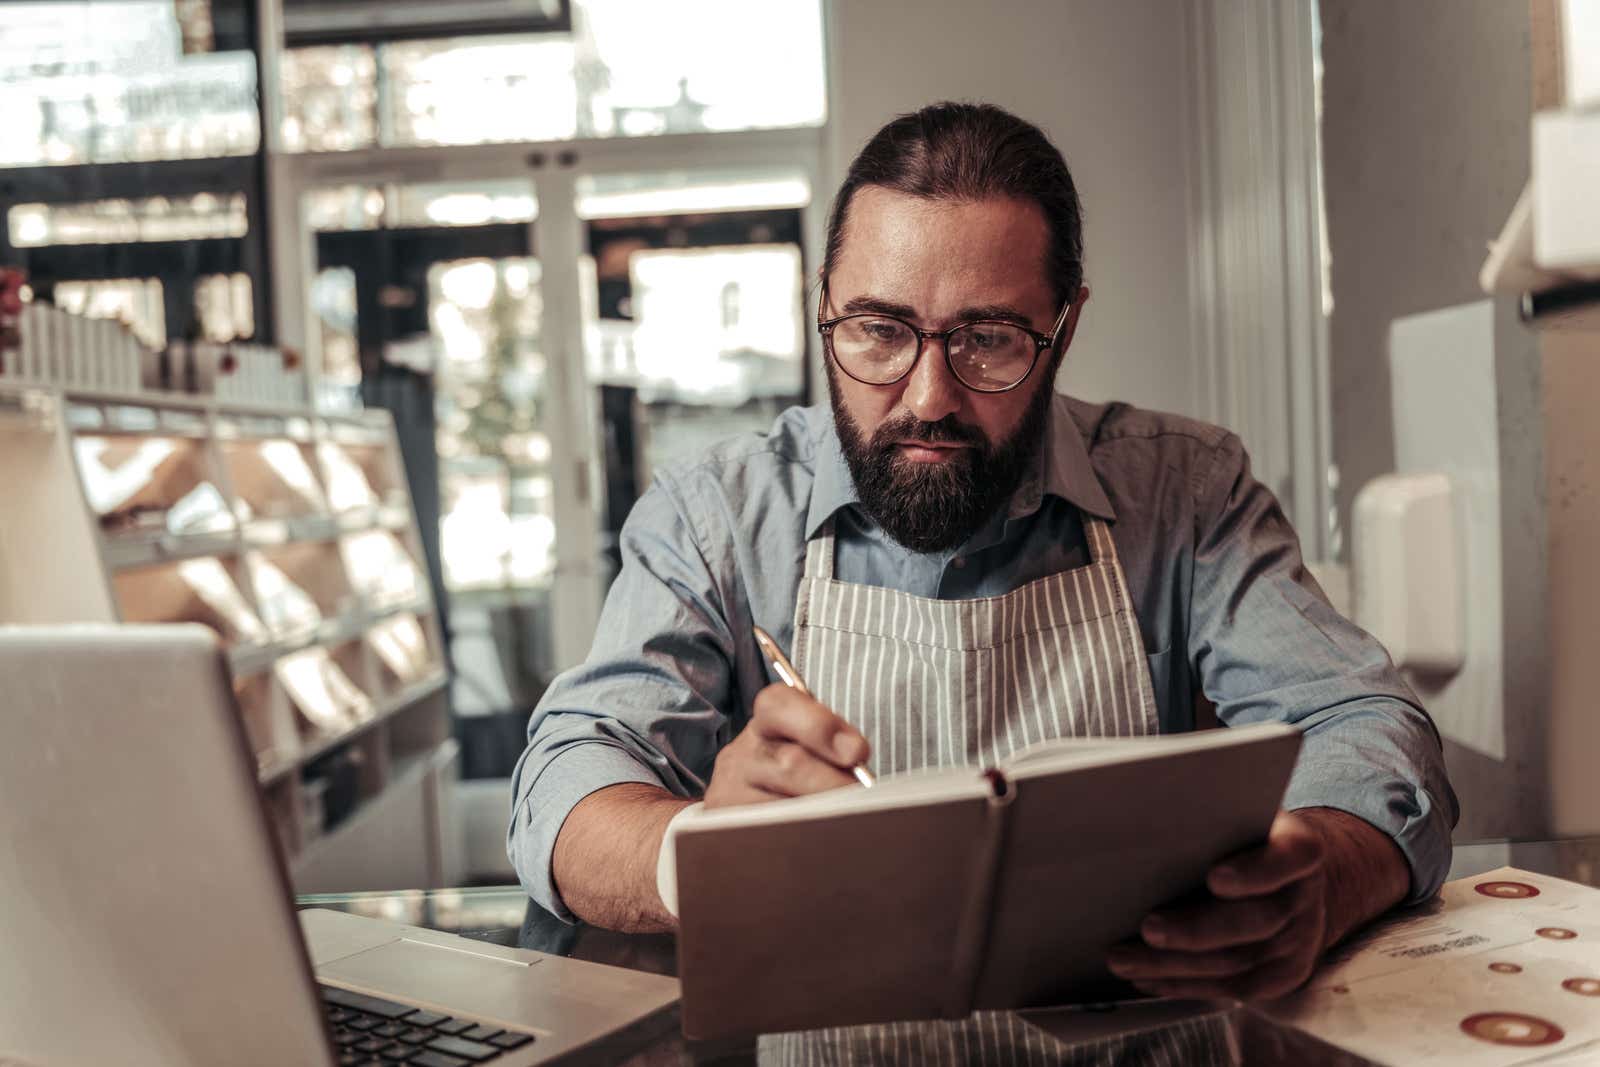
(1070, 327)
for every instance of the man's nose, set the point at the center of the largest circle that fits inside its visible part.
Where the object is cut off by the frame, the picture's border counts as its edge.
(931, 391)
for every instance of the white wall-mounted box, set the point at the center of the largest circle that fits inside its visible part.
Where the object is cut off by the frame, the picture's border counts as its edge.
(1565, 179)
(1409, 584)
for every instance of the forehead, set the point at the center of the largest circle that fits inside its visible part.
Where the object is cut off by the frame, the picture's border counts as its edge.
(928, 252)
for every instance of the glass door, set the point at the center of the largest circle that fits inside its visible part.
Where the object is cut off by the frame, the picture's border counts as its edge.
(497, 522)
(549, 329)
(694, 314)
(427, 301)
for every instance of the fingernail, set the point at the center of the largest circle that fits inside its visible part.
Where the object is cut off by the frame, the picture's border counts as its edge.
(1117, 963)
(848, 746)
(1153, 930)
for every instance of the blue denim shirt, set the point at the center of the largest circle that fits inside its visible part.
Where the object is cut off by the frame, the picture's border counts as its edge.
(1224, 603)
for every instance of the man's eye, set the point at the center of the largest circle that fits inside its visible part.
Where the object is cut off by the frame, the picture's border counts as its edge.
(883, 331)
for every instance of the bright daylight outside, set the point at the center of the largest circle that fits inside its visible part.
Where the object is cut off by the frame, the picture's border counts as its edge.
(690, 280)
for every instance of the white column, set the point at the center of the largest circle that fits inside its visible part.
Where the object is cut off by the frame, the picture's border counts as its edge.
(291, 253)
(570, 421)
(1255, 247)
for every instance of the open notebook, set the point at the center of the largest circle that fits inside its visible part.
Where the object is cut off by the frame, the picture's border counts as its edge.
(944, 892)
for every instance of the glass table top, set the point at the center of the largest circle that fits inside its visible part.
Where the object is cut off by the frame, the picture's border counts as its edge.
(1228, 1034)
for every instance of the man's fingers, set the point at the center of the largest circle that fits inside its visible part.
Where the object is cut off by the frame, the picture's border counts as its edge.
(1138, 962)
(1275, 979)
(730, 778)
(729, 792)
(792, 746)
(1207, 925)
(1292, 852)
(787, 769)
(781, 713)
(1257, 937)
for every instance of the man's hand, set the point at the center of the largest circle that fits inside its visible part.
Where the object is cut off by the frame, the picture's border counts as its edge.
(604, 861)
(791, 746)
(1270, 911)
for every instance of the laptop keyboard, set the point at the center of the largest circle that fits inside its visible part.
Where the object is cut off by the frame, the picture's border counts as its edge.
(373, 1032)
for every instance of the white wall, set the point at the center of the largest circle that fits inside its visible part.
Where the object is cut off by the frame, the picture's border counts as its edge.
(1425, 139)
(1106, 82)
(1425, 142)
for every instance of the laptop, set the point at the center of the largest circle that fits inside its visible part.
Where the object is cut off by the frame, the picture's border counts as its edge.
(146, 916)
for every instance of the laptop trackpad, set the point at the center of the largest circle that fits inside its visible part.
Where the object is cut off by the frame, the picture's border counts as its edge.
(453, 980)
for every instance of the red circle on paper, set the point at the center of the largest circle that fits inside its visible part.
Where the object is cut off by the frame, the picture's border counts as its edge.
(1510, 1028)
(1505, 968)
(1584, 987)
(1507, 890)
(1556, 933)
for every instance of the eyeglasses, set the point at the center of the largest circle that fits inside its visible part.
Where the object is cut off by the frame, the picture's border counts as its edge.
(986, 356)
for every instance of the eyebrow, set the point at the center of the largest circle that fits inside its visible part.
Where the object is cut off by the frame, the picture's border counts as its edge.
(872, 305)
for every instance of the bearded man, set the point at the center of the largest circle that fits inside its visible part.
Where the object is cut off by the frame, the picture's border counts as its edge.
(947, 515)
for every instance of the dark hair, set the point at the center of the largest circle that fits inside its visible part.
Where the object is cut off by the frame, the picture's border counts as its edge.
(969, 152)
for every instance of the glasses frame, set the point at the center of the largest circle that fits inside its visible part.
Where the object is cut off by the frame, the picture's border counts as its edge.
(1040, 342)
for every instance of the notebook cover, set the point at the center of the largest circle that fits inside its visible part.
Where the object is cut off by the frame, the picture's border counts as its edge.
(859, 916)
(1089, 853)
(826, 922)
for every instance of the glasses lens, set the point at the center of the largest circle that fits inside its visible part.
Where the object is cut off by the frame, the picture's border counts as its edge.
(991, 356)
(873, 348)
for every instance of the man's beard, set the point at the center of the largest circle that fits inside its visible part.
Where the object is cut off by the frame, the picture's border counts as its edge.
(935, 507)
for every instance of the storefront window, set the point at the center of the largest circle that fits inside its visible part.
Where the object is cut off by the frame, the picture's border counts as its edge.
(477, 90)
(370, 207)
(693, 316)
(118, 81)
(698, 65)
(498, 529)
(624, 69)
(198, 217)
(330, 98)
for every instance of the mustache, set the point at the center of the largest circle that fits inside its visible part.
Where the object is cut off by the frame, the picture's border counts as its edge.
(945, 431)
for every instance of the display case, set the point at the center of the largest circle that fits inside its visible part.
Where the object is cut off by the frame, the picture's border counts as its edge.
(292, 536)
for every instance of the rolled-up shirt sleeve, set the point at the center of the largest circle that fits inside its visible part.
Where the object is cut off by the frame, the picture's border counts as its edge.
(645, 705)
(1268, 646)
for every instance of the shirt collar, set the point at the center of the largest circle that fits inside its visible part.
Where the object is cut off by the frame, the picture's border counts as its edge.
(832, 487)
(1065, 468)
(1061, 469)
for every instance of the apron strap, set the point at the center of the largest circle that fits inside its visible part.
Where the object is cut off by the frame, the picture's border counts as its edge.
(1106, 554)
(819, 553)
(1102, 549)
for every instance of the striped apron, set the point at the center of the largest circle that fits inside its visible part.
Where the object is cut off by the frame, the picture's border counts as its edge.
(1059, 657)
